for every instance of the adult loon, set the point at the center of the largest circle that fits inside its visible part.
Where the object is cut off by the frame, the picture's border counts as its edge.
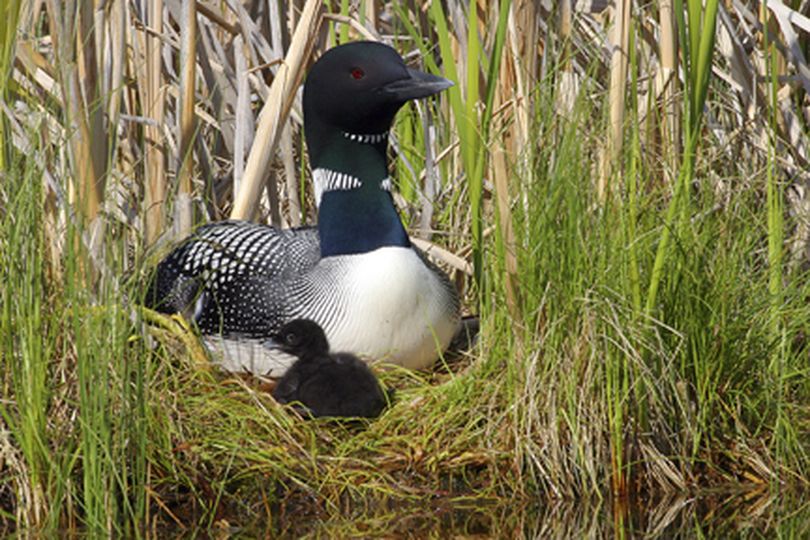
(357, 274)
(324, 384)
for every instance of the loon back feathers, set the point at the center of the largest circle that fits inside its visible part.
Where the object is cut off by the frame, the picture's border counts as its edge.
(222, 275)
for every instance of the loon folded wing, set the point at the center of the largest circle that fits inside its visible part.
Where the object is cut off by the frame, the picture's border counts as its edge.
(224, 268)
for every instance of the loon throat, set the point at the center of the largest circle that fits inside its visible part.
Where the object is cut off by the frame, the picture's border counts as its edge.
(356, 213)
(359, 219)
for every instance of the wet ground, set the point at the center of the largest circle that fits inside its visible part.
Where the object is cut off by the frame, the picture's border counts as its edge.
(743, 513)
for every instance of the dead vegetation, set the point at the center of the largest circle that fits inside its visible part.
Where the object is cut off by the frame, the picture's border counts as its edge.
(131, 122)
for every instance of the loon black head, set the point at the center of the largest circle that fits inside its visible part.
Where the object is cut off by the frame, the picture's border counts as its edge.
(350, 98)
(302, 338)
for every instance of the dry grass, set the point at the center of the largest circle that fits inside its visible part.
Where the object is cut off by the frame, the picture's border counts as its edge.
(547, 171)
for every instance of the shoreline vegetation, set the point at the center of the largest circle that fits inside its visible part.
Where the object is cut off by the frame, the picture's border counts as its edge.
(620, 194)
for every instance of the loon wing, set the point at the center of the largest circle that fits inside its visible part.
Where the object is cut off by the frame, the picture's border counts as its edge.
(226, 275)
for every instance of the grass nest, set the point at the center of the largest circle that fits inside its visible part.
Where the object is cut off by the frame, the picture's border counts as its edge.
(236, 451)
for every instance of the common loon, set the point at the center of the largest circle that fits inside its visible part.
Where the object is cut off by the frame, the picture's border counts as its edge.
(357, 274)
(324, 384)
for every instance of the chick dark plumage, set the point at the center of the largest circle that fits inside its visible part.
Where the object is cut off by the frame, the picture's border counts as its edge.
(324, 383)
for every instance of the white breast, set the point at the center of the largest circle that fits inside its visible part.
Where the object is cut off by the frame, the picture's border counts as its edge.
(385, 305)
(394, 308)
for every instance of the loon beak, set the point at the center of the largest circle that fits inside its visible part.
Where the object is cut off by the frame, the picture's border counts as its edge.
(418, 85)
(271, 344)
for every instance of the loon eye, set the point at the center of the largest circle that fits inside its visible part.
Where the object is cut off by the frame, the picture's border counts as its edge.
(291, 338)
(358, 73)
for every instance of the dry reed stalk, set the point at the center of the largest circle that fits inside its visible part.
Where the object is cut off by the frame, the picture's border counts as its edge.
(569, 82)
(286, 151)
(154, 165)
(116, 26)
(71, 32)
(275, 29)
(213, 14)
(38, 70)
(244, 121)
(82, 193)
(443, 255)
(431, 180)
(183, 210)
(62, 19)
(273, 206)
(786, 19)
(521, 25)
(275, 111)
(351, 22)
(88, 45)
(500, 175)
(761, 73)
(371, 14)
(290, 177)
(668, 81)
(620, 38)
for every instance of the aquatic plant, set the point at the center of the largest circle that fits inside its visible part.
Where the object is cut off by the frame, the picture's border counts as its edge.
(621, 197)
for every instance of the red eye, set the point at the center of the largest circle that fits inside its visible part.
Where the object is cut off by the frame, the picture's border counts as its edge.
(358, 73)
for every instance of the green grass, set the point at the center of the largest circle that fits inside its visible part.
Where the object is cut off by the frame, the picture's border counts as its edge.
(657, 346)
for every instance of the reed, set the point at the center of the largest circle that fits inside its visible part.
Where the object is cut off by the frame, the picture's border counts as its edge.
(156, 188)
(184, 213)
(10, 13)
(274, 113)
(644, 343)
(27, 346)
(619, 55)
(698, 40)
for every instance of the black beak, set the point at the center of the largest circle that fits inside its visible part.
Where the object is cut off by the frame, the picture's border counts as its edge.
(418, 85)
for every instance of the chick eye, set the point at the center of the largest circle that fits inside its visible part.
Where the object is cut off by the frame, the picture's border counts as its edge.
(291, 339)
(358, 73)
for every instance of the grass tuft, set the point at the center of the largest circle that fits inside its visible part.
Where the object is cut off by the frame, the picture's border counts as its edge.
(645, 345)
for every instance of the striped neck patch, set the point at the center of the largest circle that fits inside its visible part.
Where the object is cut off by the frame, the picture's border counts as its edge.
(366, 138)
(329, 180)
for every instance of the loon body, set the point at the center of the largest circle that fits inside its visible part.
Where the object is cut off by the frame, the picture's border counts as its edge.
(356, 274)
(336, 384)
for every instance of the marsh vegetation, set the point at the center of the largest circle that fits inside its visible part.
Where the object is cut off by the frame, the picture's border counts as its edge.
(620, 193)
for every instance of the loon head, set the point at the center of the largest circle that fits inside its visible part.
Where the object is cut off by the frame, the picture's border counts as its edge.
(350, 98)
(302, 338)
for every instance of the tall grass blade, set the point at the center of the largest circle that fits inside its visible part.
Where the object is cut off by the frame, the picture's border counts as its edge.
(26, 320)
(10, 12)
(775, 260)
(696, 64)
(472, 130)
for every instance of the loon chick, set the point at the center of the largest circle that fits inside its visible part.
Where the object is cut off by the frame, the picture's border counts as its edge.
(337, 384)
(357, 274)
